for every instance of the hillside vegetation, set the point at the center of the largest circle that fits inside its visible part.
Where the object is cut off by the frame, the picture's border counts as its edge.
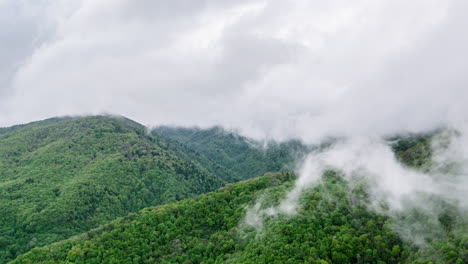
(61, 177)
(333, 225)
(234, 157)
(64, 176)
(209, 229)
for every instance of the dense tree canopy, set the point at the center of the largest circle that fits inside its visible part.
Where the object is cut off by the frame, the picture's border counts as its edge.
(234, 157)
(332, 226)
(70, 178)
(62, 177)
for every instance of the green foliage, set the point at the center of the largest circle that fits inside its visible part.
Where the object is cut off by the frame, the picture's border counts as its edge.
(328, 229)
(414, 150)
(64, 176)
(233, 157)
(444, 229)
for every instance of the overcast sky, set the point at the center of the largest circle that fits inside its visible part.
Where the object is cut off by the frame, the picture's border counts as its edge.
(274, 69)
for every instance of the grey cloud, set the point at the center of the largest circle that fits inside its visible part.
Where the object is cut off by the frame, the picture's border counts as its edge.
(274, 69)
(20, 31)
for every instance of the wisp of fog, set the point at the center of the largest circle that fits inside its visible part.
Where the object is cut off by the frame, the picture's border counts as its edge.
(394, 189)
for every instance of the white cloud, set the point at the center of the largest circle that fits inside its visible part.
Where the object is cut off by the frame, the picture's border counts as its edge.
(273, 69)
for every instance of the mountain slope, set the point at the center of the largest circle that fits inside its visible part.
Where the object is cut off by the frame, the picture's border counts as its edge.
(333, 225)
(234, 157)
(64, 176)
(207, 230)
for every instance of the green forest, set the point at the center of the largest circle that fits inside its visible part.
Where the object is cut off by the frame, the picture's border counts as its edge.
(106, 190)
(64, 176)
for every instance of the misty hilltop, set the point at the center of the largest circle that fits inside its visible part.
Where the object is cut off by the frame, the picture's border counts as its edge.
(63, 176)
(236, 224)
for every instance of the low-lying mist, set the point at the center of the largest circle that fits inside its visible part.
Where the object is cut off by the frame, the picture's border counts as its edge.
(423, 200)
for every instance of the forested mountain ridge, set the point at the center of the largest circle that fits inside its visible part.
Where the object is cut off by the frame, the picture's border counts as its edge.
(209, 229)
(236, 157)
(63, 176)
(333, 225)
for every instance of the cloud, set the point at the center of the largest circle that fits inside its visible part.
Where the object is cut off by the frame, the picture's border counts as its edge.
(270, 69)
(419, 201)
(19, 29)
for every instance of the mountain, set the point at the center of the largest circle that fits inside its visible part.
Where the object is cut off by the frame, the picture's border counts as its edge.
(333, 225)
(207, 230)
(330, 228)
(63, 176)
(236, 157)
(70, 179)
